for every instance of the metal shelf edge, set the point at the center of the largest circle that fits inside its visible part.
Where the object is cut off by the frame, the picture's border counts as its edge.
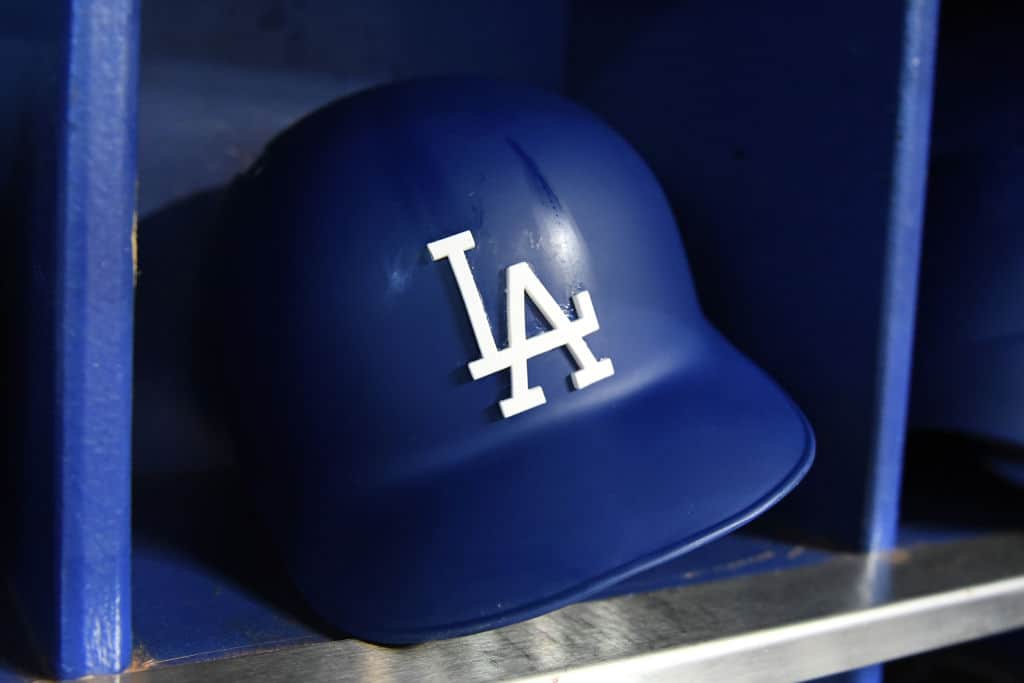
(846, 612)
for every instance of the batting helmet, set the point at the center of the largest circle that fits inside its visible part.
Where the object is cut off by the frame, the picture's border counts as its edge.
(468, 369)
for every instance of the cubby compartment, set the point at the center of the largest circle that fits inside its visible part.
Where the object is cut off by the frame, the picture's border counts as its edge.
(812, 292)
(966, 448)
(216, 85)
(967, 443)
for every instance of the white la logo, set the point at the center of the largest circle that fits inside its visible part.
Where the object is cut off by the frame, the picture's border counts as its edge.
(522, 282)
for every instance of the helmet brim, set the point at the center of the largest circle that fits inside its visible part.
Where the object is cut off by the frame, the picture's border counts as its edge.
(621, 485)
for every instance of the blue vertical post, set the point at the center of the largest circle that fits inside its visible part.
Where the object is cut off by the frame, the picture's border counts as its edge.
(900, 272)
(71, 203)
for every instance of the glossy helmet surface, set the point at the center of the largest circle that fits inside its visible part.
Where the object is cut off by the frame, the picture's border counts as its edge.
(408, 506)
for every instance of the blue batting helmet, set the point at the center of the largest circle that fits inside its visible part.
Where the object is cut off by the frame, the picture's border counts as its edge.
(468, 368)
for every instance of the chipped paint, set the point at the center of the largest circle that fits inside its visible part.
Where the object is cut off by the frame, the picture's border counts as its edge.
(135, 248)
(141, 659)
